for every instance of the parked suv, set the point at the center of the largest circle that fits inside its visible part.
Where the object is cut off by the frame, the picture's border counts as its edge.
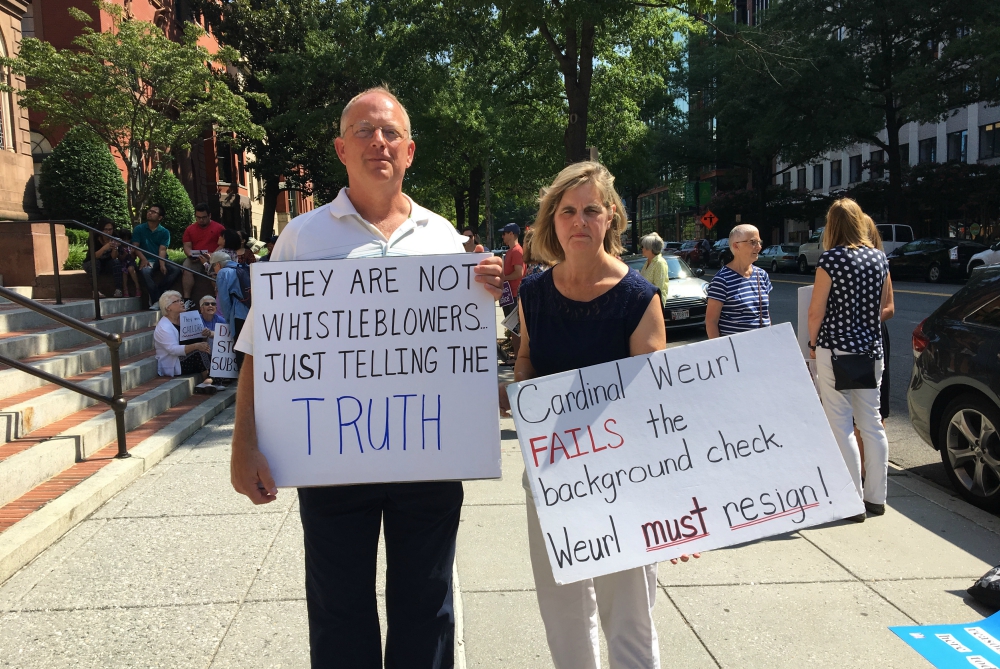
(954, 392)
(893, 236)
(810, 252)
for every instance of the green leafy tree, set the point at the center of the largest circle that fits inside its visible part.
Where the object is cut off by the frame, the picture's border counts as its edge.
(893, 62)
(143, 94)
(80, 181)
(582, 32)
(170, 193)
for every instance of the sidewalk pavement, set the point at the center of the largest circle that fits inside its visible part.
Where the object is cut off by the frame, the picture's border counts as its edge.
(178, 571)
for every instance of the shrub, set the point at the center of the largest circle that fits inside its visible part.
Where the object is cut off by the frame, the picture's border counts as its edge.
(171, 194)
(80, 180)
(77, 252)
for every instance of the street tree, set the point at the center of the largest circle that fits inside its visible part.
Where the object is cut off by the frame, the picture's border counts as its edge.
(580, 33)
(143, 94)
(895, 62)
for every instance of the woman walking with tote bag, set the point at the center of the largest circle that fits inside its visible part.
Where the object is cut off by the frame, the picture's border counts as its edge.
(845, 338)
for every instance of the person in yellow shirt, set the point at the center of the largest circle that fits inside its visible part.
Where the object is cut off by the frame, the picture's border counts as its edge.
(655, 270)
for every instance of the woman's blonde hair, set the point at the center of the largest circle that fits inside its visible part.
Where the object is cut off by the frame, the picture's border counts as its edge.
(873, 233)
(846, 226)
(526, 247)
(545, 244)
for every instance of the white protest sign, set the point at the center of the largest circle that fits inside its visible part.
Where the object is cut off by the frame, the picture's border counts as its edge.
(804, 295)
(223, 355)
(191, 325)
(697, 447)
(375, 370)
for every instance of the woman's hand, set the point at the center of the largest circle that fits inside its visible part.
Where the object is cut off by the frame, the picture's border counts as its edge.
(205, 332)
(685, 558)
(200, 346)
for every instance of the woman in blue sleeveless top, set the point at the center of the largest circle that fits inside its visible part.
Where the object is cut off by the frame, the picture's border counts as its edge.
(588, 309)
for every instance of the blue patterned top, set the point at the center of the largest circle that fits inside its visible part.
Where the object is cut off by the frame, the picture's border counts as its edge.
(565, 334)
(854, 309)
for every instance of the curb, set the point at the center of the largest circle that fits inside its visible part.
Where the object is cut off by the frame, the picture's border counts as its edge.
(26, 539)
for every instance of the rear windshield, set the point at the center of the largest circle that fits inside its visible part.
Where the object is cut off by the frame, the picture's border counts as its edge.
(789, 249)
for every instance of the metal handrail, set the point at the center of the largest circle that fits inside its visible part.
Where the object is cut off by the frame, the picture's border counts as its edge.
(93, 258)
(116, 401)
(93, 274)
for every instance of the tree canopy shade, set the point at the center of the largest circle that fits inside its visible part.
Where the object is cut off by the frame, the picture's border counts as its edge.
(582, 32)
(178, 210)
(80, 181)
(897, 61)
(143, 94)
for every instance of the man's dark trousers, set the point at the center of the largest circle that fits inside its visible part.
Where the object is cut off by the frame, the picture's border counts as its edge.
(341, 525)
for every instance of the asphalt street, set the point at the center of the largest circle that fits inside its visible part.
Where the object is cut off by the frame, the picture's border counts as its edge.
(914, 302)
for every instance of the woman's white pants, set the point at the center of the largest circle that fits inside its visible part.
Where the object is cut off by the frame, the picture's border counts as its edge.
(623, 601)
(844, 409)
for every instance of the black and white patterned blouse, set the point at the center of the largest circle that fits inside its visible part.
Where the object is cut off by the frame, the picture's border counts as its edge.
(853, 311)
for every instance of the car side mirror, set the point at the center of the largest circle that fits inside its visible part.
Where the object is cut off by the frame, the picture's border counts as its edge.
(699, 271)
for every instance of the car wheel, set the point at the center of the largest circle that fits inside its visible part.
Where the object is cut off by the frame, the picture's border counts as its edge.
(934, 273)
(774, 267)
(803, 265)
(970, 449)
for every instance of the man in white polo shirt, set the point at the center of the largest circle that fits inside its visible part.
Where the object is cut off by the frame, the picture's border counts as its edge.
(341, 523)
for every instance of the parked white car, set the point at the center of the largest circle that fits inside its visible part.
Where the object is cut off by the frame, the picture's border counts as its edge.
(990, 256)
(893, 236)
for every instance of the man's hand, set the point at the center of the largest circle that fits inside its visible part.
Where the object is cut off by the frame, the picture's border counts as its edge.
(489, 272)
(251, 475)
(163, 268)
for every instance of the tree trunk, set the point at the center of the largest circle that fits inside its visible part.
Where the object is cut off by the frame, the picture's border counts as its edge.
(894, 194)
(460, 208)
(576, 63)
(270, 204)
(475, 191)
(634, 206)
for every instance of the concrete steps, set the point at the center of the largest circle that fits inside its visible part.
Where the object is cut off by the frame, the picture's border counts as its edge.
(57, 446)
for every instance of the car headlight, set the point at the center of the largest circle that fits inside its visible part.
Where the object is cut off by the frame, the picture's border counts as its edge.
(704, 289)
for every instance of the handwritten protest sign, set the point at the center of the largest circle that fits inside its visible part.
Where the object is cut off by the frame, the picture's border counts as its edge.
(191, 325)
(701, 446)
(223, 355)
(956, 646)
(375, 370)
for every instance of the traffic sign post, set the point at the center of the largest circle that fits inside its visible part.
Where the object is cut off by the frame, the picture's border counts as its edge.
(709, 219)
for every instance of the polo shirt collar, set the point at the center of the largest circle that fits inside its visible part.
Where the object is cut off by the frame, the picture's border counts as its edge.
(342, 207)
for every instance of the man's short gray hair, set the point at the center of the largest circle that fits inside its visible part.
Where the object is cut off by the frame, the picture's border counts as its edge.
(740, 231)
(652, 242)
(167, 298)
(377, 89)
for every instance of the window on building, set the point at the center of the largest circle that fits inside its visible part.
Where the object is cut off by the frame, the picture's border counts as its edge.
(877, 164)
(836, 173)
(927, 150)
(224, 159)
(855, 169)
(817, 176)
(786, 179)
(241, 168)
(958, 146)
(904, 154)
(989, 141)
(800, 179)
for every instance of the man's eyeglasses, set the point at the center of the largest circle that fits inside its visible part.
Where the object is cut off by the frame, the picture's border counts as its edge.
(756, 243)
(208, 304)
(365, 130)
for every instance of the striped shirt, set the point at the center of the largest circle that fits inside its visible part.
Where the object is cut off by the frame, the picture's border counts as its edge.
(744, 300)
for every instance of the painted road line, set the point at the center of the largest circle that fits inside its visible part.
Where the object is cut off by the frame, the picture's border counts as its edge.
(895, 290)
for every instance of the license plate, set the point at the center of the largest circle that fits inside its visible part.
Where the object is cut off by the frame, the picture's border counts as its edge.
(680, 315)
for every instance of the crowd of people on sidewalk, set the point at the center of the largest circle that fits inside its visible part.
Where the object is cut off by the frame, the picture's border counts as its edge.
(576, 304)
(210, 250)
